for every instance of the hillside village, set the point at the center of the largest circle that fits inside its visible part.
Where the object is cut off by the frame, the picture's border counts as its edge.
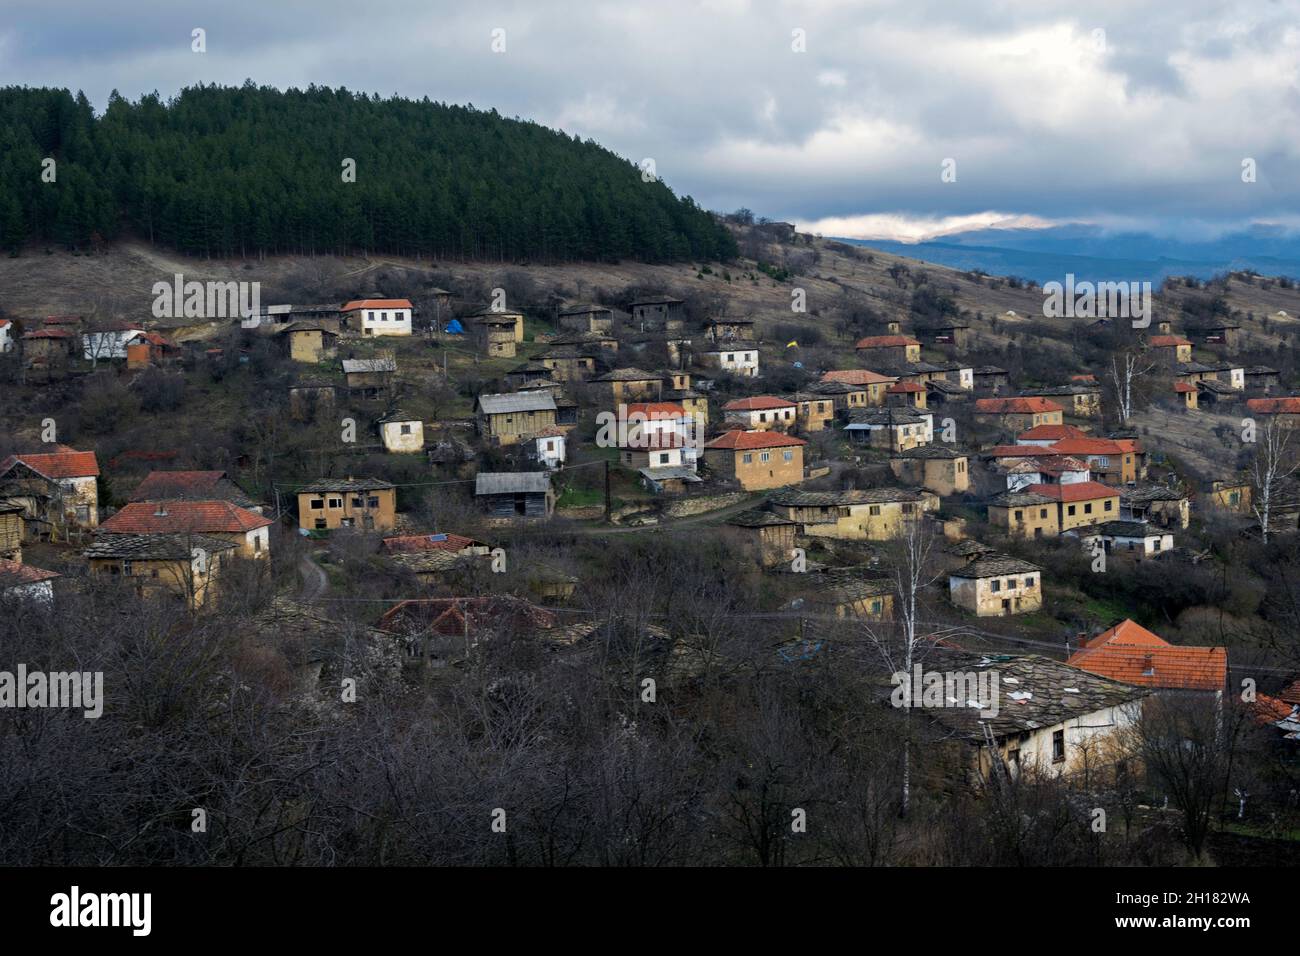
(722, 484)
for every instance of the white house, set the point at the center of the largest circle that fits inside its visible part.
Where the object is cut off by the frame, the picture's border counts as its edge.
(401, 434)
(26, 583)
(737, 361)
(1139, 539)
(6, 335)
(760, 412)
(108, 343)
(378, 316)
(548, 447)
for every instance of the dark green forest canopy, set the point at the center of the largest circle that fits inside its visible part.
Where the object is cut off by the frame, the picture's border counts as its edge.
(223, 171)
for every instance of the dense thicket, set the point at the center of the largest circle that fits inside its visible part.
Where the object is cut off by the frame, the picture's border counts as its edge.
(226, 171)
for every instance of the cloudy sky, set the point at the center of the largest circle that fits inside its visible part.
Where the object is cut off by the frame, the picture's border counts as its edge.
(834, 114)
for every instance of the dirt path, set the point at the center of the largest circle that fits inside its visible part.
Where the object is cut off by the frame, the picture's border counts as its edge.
(314, 580)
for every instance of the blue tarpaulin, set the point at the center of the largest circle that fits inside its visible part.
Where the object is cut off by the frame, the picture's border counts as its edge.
(455, 328)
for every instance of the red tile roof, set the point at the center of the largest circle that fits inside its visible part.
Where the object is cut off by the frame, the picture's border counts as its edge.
(1097, 446)
(857, 376)
(13, 574)
(428, 542)
(885, 341)
(1185, 387)
(176, 484)
(739, 440)
(756, 404)
(1021, 406)
(1051, 433)
(1077, 491)
(48, 334)
(1289, 405)
(65, 462)
(1168, 341)
(1128, 633)
(902, 388)
(376, 304)
(1168, 667)
(1269, 710)
(180, 517)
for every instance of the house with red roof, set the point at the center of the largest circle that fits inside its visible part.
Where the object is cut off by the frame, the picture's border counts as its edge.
(761, 412)
(1044, 435)
(56, 489)
(1134, 655)
(756, 459)
(26, 583)
(1115, 461)
(192, 486)
(906, 395)
(889, 350)
(1284, 411)
(1079, 503)
(214, 518)
(376, 317)
(1018, 414)
(1171, 349)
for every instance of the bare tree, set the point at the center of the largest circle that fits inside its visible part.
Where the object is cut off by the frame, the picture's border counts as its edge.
(1126, 368)
(1271, 465)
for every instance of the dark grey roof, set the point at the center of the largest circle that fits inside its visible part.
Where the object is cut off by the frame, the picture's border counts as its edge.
(994, 565)
(506, 403)
(512, 482)
(655, 300)
(628, 375)
(1019, 499)
(1122, 529)
(969, 546)
(326, 485)
(370, 365)
(155, 547)
(885, 417)
(1077, 389)
(758, 519)
(584, 310)
(852, 496)
(990, 370)
(937, 450)
(1152, 493)
(1046, 693)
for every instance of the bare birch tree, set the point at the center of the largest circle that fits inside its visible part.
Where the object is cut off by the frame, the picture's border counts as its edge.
(1126, 368)
(1271, 465)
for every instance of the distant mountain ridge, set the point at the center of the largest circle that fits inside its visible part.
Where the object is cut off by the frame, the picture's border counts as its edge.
(1088, 252)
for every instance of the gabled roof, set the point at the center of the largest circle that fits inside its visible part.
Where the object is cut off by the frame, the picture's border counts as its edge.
(154, 547)
(352, 366)
(200, 485)
(1128, 633)
(64, 462)
(1051, 433)
(739, 440)
(759, 519)
(656, 410)
(757, 403)
(376, 304)
(849, 496)
(1096, 446)
(628, 375)
(511, 402)
(428, 542)
(1076, 491)
(856, 376)
(326, 485)
(1168, 341)
(903, 388)
(512, 482)
(584, 310)
(183, 517)
(994, 565)
(13, 574)
(1019, 406)
(1146, 665)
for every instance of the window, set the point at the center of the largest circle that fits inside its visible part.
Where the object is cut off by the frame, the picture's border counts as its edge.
(257, 543)
(747, 458)
(1087, 509)
(372, 501)
(765, 456)
(1011, 584)
(316, 504)
(126, 567)
(1103, 461)
(877, 606)
(1071, 511)
(874, 510)
(358, 502)
(728, 357)
(996, 586)
(663, 458)
(1058, 746)
(1020, 515)
(762, 416)
(1029, 581)
(336, 503)
(1109, 502)
(908, 508)
(788, 455)
(320, 524)
(1042, 512)
(406, 429)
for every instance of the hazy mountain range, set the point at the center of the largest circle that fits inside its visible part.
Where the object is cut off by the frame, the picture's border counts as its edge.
(1093, 253)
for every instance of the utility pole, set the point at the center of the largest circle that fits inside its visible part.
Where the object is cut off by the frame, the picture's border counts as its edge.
(607, 504)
